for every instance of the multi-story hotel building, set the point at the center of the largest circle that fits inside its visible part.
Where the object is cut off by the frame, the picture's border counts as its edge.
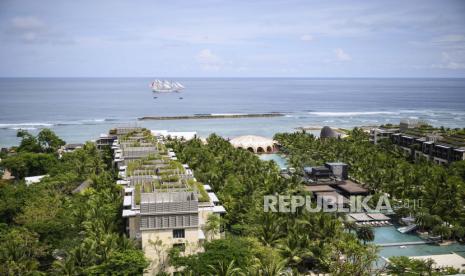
(164, 206)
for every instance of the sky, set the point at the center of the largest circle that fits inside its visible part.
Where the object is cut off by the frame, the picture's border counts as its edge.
(219, 38)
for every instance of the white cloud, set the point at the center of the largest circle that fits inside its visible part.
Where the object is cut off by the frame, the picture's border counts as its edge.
(306, 37)
(208, 60)
(28, 29)
(341, 55)
(450, 38)
(28, 23)
(450, 61)
(31, 29)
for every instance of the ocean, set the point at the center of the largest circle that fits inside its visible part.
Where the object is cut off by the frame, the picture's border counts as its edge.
(80, 109)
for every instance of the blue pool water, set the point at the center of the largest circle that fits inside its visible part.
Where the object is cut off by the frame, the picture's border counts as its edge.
(279, 159)
(390, 234)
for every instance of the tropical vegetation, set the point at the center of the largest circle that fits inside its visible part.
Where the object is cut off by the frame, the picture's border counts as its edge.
(434, 194)
(265, 243)
(53, 227)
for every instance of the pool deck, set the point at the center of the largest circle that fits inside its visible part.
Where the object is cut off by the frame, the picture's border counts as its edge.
(454, 260)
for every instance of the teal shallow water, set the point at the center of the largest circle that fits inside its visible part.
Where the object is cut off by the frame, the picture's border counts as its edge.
(390, 234)
(279, 159)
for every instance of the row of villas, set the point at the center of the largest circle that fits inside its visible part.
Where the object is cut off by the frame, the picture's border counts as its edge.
(431, 147)
(164, 205)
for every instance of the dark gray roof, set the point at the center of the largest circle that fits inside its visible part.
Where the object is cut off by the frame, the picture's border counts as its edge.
(327, 132)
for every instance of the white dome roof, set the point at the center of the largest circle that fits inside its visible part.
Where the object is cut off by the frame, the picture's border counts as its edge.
(252, 141)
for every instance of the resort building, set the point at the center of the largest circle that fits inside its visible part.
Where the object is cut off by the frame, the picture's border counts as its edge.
(255, 144)
(378, 134)
(164, 206)
(419, 140)
(105, 140)
(331, 184)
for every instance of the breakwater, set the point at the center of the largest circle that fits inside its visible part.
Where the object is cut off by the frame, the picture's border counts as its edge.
(211, 116)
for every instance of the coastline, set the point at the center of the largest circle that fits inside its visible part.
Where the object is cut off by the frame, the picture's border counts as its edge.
(211, 116)
(339, 130)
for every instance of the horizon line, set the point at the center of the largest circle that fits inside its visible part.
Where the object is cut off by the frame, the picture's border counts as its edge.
(217, 77)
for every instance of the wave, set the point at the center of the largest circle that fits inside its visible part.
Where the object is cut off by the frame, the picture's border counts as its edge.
(23, 128)
(349, 114)
(24, 125)
(37, 125)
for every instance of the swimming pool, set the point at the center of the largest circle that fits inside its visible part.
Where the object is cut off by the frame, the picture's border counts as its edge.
(389, 234)
(279, 159)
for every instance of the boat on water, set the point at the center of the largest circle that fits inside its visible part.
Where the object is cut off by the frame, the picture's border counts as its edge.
(164, 86)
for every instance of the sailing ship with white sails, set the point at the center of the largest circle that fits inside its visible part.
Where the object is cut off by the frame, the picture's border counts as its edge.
(164, 86)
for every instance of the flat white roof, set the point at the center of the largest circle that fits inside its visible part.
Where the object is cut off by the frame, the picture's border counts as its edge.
(219, 209)
(128, 190)
(129, 213)
(157, 132)
(122, 182)
(453, 259)
(213, 197)
(207, 187)
(442, 146)
(127, 201)
(34, 179)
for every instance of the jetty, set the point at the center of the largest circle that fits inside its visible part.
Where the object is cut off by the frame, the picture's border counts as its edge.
(404, 243)
(211, 116)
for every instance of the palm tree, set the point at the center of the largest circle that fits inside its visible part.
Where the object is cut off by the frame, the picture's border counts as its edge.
(270, 267)
(365, 233)
(268, 230)
(66, 266)
(225, 269)
(421, 219)
(443, 231)
(212, 227)
(294, 247)
(350, 225)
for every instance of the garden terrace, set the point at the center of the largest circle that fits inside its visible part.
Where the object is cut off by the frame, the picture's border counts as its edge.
(154, 186)
(120, 131)
(138, 152)
(203, 195)
(140, 179)
(455, 140)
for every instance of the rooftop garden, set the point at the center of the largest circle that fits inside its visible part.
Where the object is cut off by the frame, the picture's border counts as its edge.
(454, 137)
(203, 195)
(389, 126)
